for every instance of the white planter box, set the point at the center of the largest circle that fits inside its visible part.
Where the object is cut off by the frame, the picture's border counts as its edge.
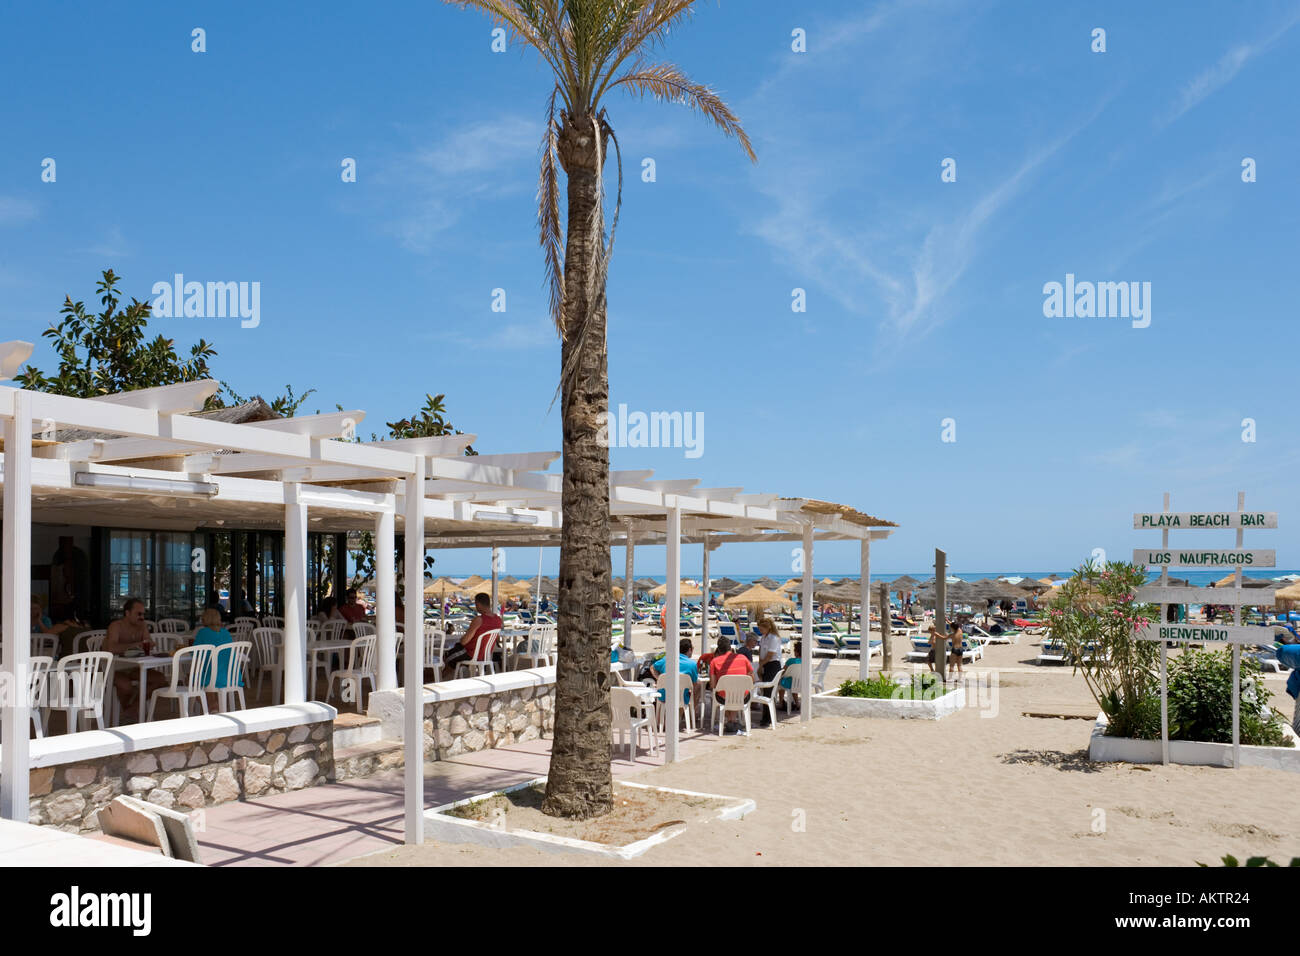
(438, 825)
(833, 704)
(1190, 752)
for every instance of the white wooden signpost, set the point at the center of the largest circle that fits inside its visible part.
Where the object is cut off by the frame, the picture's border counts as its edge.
(1164, 595)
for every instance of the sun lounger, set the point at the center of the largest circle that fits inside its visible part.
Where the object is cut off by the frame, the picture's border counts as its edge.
(1006, 637)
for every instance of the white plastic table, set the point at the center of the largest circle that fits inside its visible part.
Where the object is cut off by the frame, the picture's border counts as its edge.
(144, 662)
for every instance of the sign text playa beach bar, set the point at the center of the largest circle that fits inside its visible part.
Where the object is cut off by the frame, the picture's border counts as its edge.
(1206, 519)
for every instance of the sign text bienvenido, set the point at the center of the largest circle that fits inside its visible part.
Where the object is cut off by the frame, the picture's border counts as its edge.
(1204, 633)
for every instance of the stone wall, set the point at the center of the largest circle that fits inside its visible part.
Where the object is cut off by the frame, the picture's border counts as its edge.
(481, 723)
(185, 777)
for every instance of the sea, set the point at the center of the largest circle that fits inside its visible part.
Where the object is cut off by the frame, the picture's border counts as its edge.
(1194, 578)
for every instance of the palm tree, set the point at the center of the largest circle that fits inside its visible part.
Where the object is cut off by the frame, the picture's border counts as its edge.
(594, 47)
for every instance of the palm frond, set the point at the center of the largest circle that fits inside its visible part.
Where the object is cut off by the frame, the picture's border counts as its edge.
(535, 23)
(652, 22)
(667, 83)
(548, 214)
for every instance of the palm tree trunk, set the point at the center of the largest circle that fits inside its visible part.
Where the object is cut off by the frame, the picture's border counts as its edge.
(580, 784)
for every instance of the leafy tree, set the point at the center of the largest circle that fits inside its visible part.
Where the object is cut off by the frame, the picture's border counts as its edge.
(107, 353)
(593, 47)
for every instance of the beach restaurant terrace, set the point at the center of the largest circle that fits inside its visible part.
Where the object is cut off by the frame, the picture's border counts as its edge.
(146, 483)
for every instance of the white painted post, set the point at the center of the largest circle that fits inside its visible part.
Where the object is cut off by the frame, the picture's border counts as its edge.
(295, 597)
(805, 670)
(496, 559)
(1164, 652)
(413, 699)
(537, 600)
(628, 593)
(1236, 650)
(672, 631)
(386, 605)
(864, 634)
(704, 599)
(17, 615)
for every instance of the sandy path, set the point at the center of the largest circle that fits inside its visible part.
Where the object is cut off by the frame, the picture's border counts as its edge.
(968, 790)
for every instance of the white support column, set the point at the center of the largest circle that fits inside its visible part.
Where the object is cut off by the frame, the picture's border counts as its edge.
(704, 599)
(628, 592)
(17, 615)
(413, 701)
(496, 563)
(295, 598)
(673, 630)
(805, 672)
(864, 635)
(386, 604)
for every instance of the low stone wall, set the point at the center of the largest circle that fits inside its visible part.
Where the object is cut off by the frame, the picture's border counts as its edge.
(457, 727)
(476, 713)
(184, 777)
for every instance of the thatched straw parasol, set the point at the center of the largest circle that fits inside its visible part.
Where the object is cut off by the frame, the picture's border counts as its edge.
(758, 598)
(685, 589)
(1288, 596)
(471, 582)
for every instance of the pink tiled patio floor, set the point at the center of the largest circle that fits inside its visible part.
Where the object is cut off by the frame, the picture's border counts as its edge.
(339, 821)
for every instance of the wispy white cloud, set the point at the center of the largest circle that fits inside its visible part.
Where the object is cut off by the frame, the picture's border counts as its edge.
(533, 334)
(428, 189)
(1221, 73)
(112, 246)
(16, 211)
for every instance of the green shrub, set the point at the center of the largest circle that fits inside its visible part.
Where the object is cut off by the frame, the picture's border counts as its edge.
(884, 687)
(1200, 701)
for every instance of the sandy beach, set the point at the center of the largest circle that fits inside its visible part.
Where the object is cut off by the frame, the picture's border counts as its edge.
(986, 786)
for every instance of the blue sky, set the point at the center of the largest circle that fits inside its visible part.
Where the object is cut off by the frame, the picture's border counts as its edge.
(924, 298)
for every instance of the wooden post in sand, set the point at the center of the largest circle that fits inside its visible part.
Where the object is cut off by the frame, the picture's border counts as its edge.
(940, 644)
(886, 652)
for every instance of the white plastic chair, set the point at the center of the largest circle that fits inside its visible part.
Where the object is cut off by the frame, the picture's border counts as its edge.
(79, 683)
(188, 663)
(232, 658)
(246, 621)
(363, 629)
(38, 686)
(435, 646)
(171, 625)
(736, 689)
(96, 642)
(361, 667)
(45, 645)
(273, 620)
(81, 644)
(819, 677)
(269, 643)
(630, 714)
(333, 630)
(537, 649)
(480, 657)
(765, 693)
(686, 689)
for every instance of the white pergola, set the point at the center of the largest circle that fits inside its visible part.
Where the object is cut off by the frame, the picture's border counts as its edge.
(161, 467)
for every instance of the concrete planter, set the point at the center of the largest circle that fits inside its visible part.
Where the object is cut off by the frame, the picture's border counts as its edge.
(1190, 752)
(831, 703)
(438, 825)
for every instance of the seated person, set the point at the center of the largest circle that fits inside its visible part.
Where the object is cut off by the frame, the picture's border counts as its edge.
(328, 611)
(352, 611)
(725, 662)
(686, 666)
(485, 621)
(124, 636)
(749, 648)
(787, 683)
(65, 631)
(213, 633)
